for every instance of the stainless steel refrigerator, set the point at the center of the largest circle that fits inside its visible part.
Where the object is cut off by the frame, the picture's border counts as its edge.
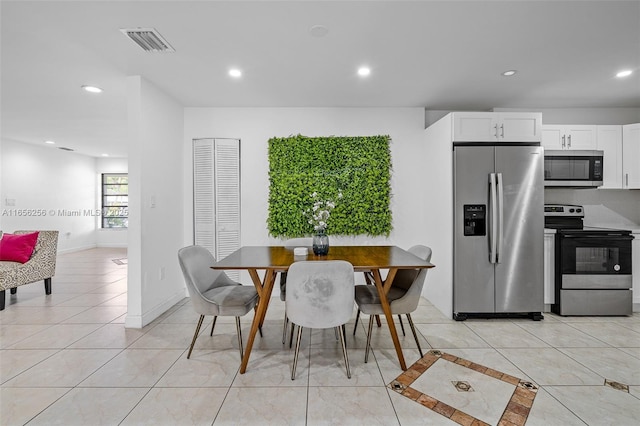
(499, 230)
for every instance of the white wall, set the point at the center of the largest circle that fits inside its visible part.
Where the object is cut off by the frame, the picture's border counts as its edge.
(438, 212)
(155, 282)
(58, 185)
(110, 237)
(411, 182)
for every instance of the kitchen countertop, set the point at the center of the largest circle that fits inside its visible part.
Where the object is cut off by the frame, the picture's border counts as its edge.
(635, 229)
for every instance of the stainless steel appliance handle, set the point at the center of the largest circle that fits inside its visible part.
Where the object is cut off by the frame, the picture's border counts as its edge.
(494, 218)
(607, 237)
(500, 218)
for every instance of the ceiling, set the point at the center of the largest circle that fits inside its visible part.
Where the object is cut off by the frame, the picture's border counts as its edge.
(443, 55)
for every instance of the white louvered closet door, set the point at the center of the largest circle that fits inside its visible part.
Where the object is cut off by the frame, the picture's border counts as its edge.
(216, 195)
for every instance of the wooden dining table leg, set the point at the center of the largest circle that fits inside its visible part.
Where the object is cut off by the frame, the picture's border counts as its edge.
(264, 291)
(382, 291)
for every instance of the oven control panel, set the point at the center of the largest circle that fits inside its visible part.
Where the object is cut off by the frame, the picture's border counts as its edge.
(566, 210)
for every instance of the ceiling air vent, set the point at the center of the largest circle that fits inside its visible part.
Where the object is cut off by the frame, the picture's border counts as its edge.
(149, 39)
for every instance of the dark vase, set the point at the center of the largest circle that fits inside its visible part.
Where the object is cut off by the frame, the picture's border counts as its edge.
(320, 243)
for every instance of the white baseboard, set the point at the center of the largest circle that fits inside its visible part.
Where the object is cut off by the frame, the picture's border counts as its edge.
(75, 249)
(139, 321)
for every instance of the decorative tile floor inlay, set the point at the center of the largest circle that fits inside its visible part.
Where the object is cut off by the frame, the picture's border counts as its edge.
(462, 386)
(121, 261)
(616, 385)
(515, 412)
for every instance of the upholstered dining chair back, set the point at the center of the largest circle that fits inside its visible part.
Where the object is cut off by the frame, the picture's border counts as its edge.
(320, 294)
(412, 281)
(290, 244)
(196, 262)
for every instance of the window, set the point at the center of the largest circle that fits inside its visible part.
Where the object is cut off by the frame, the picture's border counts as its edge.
(115, 200)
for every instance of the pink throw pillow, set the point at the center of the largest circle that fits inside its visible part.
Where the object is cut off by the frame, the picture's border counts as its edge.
(17, 248)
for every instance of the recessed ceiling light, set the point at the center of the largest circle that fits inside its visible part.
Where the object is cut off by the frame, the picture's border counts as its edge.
(104, 155)
(91, 89)
(318, 31)
(509, 73)
(624, 73)
(49, 142)
(235, 73)
(364, 71)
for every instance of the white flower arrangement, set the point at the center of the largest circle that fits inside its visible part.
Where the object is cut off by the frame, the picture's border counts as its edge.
(318, 214)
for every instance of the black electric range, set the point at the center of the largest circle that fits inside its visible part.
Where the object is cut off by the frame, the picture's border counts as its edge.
(592, 265)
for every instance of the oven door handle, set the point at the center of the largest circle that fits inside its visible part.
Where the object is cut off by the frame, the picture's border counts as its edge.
(612, 237)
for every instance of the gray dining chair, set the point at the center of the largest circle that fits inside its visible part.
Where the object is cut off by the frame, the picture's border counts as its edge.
(212, 292)
(320, 294)
(403, 296)
(290, 244)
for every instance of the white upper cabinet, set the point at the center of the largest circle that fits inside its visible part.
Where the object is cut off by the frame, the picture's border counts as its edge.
(577, 136)
(609, 140)
(497, 127)
(631, 156)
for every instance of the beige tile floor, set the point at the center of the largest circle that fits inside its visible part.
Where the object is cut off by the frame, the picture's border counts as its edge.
(67, 359)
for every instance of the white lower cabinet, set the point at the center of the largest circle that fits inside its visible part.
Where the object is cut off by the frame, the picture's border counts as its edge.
(549, 269)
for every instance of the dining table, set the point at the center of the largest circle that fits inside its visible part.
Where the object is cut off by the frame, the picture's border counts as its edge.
(273, 259)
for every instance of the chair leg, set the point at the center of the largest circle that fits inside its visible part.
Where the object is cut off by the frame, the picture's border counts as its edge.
(47, 286)
(342, 333)
(415, 335)
(195, 335)
(2, 299)
(356, 326)
(293, 326)
(366, 351)
(239, 337)
(213, 325)
(401, 325)
(378, 321)
(295, 356)
(284, 328)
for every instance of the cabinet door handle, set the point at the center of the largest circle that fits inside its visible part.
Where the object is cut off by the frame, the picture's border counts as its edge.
(563, 141)
(502, 130)
(626, 179)
(495, 127)
(569, 139)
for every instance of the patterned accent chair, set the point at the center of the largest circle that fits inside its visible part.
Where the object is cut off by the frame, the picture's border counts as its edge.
(41, 266)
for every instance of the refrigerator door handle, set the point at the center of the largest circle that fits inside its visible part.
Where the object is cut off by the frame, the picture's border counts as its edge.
(500, 217)
(494, 218)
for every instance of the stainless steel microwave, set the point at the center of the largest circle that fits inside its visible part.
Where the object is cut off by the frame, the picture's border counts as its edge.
(573, 168)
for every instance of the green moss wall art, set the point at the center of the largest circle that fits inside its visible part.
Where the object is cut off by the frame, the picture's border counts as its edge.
(352, 172)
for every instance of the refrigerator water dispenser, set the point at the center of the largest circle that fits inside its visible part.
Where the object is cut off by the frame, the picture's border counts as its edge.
(474, 219)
